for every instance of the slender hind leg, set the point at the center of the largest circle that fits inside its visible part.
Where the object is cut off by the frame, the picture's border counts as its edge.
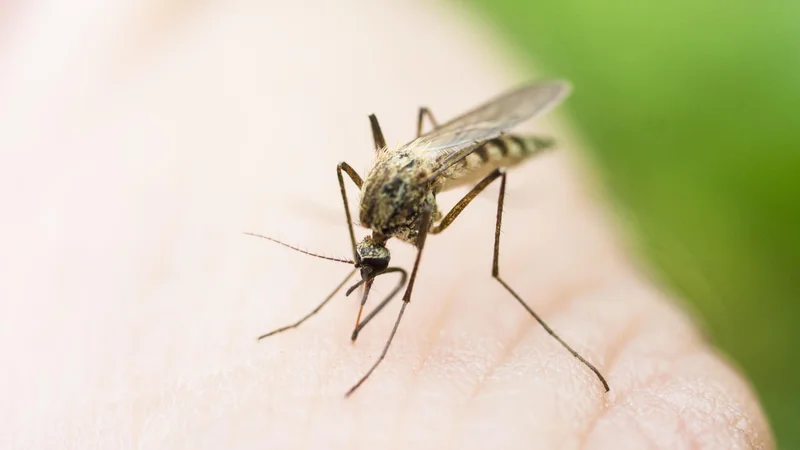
(451, 216)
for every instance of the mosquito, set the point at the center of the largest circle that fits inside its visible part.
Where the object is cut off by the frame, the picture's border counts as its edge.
(398, 195)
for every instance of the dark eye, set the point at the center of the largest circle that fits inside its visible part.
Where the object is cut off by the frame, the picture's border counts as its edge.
(377, 264)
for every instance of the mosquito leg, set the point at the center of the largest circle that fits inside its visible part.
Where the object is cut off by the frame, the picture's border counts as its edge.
(423, 234)
(496, 275)
(343, 166)
(423, 112)
(377, 134)
(451, 216)
(453, 213)
(316, 310)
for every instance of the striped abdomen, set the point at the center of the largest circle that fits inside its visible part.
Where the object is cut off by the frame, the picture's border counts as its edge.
(504, 151)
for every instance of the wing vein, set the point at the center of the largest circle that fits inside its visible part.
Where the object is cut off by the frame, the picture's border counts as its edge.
(458, 138)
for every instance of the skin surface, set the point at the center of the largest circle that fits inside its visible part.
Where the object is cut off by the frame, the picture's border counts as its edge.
(141, 140)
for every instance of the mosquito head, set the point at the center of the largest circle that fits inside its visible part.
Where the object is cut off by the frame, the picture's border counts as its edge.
(373, 257)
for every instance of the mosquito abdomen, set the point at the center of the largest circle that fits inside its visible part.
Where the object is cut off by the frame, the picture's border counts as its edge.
(508, 147)
(504, 151)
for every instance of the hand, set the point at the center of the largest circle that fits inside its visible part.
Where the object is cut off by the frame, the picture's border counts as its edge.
(144, 140)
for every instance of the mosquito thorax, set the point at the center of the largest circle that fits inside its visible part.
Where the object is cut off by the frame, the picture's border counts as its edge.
(394, 194)
(373, 257)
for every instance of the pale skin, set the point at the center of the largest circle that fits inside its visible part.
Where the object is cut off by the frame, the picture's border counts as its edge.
(146, 138)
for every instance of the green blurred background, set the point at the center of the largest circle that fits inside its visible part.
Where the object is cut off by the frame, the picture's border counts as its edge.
(692, 112)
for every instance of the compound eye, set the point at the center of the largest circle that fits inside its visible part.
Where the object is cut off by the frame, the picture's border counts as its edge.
(376, 264)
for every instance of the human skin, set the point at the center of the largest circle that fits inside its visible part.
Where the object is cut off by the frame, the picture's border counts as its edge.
(140, 141)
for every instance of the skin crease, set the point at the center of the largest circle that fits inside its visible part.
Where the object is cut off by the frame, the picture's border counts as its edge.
(141, 140)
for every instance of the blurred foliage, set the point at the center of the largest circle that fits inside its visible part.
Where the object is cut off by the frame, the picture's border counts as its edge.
(692, 112)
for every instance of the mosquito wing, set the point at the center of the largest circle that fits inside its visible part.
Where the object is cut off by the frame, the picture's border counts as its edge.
(459, 137)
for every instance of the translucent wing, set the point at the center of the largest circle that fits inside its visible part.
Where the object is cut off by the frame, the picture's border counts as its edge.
(464, 134)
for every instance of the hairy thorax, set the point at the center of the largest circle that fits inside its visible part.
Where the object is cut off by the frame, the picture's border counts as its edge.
(395, 194)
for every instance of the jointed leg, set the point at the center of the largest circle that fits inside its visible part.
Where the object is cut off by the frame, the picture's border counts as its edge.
(377, 134)
(448, 219)
(451, 216)
(424, 111)
(307, 316)
(423, 233)
(343, 166)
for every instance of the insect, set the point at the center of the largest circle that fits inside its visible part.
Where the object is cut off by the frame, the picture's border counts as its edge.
(398, 195)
